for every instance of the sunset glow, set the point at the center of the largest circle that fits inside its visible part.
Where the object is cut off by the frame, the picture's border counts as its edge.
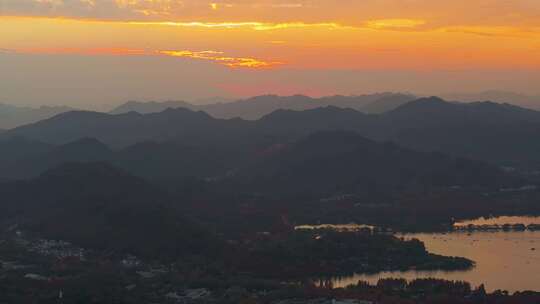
(418, 36)
(373, 44)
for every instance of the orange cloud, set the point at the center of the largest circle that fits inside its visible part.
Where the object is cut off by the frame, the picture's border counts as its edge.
(494, 31)
(233, 62)
(382, 24)
(257, 26)
(215, 56)
(408, 25)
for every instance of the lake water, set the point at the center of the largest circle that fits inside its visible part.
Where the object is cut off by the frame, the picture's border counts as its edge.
(504, 260)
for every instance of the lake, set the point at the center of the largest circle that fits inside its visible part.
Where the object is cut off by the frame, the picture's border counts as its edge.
(506, 260)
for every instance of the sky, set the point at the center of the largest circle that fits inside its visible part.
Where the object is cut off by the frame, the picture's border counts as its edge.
(93, 53)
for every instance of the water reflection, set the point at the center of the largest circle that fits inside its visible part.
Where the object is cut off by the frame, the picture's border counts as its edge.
(501, 220)
(504, 260)
(337, 227)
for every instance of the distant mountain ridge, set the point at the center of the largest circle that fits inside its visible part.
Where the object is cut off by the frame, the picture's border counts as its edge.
(150, 107)
(14, 116)
(386, 104)
(480, 130)
(128, 128)
(522, 100)
(436, 111)
(256, 107)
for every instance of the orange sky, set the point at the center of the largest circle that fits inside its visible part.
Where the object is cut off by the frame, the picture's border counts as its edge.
(381, 35)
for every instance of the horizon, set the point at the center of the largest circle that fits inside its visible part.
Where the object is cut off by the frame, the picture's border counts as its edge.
(464, 97)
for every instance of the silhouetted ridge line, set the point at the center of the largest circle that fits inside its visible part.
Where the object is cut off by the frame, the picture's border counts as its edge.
(258, 106)
(427, 124)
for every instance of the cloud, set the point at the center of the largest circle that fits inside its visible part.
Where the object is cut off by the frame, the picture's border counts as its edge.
(395, 24)
(401, 15)
(209, 55)
(283, 15)
(233, 62)
(105, 9)
(132, 9)
(499, 31)
(257, 26)
(403, 25)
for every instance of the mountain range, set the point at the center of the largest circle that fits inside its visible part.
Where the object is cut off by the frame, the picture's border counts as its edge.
(159, 162)
(329, 162)
(527, 101)
(322, 163)
(13, 116)
(129, 128)
(500, 133)
(256, 107)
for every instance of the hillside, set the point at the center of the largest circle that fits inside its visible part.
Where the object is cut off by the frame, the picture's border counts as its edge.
(386, 104)
(14, 116)
(480, 130)
(295, 124)
(126, 129)
(78, 202)
(14, 148)
(436, 111)
(344, 162)
(161, 162)
(522, 100)
(321, 163)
